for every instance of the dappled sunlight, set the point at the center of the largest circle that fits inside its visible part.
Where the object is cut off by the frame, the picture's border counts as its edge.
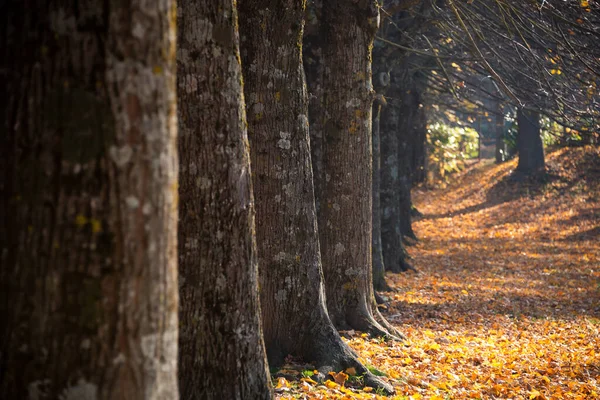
(506, 303)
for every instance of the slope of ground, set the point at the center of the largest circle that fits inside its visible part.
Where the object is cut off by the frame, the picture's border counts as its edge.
(507, 301)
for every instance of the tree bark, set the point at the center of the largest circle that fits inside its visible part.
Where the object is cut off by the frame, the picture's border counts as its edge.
(407, 132)
(500, 152)
(419, 140)
(312, 52)
(529, 143)
(292, 294)
(377, 249)
(348, 32)
(394, 253)
(222, 351)
(88, 275)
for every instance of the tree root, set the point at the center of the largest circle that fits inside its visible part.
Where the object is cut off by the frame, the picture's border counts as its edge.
(362, 320)
(410, 239)
(330, 354)
(379, 298)
(388, 326)
(405, 266)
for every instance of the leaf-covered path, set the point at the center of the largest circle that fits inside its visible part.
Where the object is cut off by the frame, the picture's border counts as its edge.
(507, 301)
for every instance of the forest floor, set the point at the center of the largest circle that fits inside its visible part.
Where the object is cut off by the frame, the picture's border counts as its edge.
(506, 304)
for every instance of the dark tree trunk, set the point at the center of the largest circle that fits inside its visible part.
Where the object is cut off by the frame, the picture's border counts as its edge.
(377, 250)
(529, 143)
(394, 254)
(313, 67)
(419, 140)
(348, 31)
(222, 352)
(295, 319)
(500, 153)
(88, 275)
(408, 126)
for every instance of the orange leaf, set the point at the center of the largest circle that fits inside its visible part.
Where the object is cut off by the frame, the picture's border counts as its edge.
(340, 377)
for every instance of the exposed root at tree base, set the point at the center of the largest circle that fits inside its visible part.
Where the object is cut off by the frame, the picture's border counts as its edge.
(389, 327)
(402, 266)
(414, 212)
(382, 286)
(327, 352)
(361, 319)
(405, 266)
(410, 240)
(331, 354)
(368, 378)
(323, 348)
(379, 299)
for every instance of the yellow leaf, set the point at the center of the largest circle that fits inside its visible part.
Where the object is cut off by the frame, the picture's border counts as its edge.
(534, 394)
(308, 380)
(368, 389)
(331, 384)
(282, 383)
(434, 346)
(351, 371)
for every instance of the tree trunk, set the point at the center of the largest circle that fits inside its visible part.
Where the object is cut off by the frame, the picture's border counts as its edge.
(408, 123)
(88, 279)
(295, 319)
(500, 153)
(222, 352)
(419, 140)
(529, 143)
(394, 254)
(312, 52)
(377, 250)
(348, 31)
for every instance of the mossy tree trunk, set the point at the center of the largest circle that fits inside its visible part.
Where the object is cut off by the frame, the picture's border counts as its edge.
(222, 354)
(529, 143)
(294, 313)
(88, 276)
(346, 205)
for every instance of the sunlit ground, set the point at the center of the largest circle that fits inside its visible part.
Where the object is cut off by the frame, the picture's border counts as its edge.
(507, 301)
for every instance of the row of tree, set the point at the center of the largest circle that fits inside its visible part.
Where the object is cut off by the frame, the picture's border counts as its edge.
(156, 158)
(166, 168)
(468, 62)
